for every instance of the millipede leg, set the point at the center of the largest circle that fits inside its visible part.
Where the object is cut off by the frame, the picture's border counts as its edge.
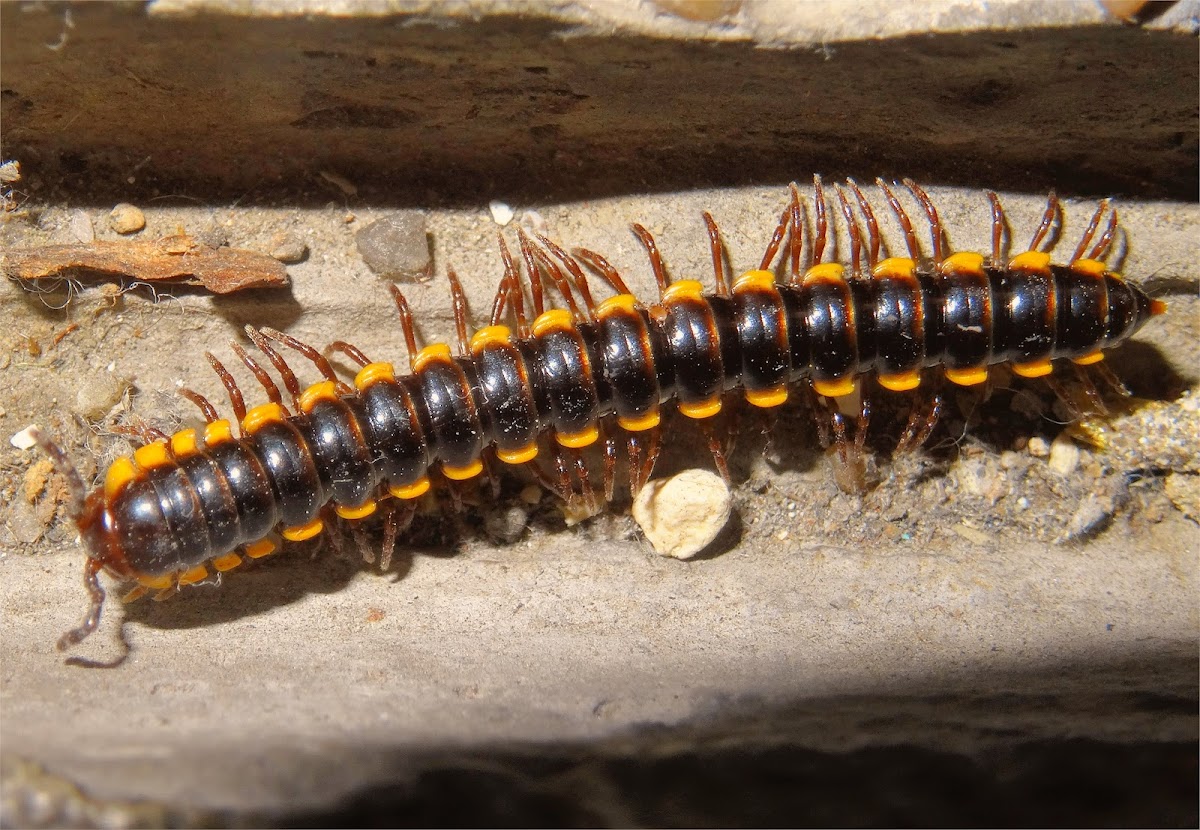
(1063, 394)
(535, 274)
(311, 353)
(1043, 228)
(910, 236)
(920, 425)
(281, 365)
(604, 269)
(822, 227)
(1105, 241)
(459, 301)
(1089, 389)
(714, 244)
(349, 350)
(396, 521)
(1111, 380)
(1089, 232)
(852, 231)
(260, 374)
(142, 431)
(937, 233)
(610, 463)
(656, 263)
(207, 409)
(715, 447)
(560, 282)
(873, 235)
(581, 283)
(999, 223)
(565, 489)
(77, 493)
(406, 322)
(863, 421)
(516, 292)
(795, 235)
(236, 401)
(654, 446)
(587, 493)
(776, 239)
(820, 413)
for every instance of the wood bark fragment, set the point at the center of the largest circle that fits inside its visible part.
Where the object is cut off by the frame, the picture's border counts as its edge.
(180, 258)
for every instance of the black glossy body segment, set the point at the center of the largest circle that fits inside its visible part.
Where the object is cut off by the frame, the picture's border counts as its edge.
(566, 374)
(340, 453)
(394, 433)
(293, 472)
(630, 367)
(899, 317)
(1024, 320)
(966, 322)
(829, 320)
(505, 393)
(443, 391)
(761, 322)
(690, 331)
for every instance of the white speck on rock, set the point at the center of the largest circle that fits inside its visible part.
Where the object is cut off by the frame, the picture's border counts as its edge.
(502, 214)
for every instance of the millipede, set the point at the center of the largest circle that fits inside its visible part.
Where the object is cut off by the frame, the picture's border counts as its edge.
(548, 388)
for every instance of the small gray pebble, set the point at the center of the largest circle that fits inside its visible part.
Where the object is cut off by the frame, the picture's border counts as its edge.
(507, 525)
(397, 246)
(288, 247)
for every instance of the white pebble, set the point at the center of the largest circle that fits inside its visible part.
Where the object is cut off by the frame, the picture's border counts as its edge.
(681, 515)
(25, 439)
(1064, 455)
(126, 218)
(502, 214)
(1038, 447)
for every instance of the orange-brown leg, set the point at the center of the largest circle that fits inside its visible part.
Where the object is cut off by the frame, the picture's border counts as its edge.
(236, 401)
(560, 282)
(281, 365)
(822, 227)
(714, 245)
(580, 279)
(406, 323)
(715, 442)
(602, 267)
(1043, 229)
(776, 239)
(920, 424)
(397, 520)
(516, 292)
(207, 409)
(873, 236)
(852, 230)
(459, 302)
(910, 236)
(349, 350)
(1106, 239)
(796, 234)
(941, 245)
(656, 262)
(1089, 232)
(260, 374)
(999, 225)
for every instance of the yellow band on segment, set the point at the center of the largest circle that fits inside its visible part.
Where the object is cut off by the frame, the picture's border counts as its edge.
(463, 473)
(683, 290)
(1034, 261)
(373, 373)
(435, 353)
(754, 279)
(556, 319)
(965, 264)
(411, 491)
(901, 381)
(218, 432)
(193, 575)
(825, 272)
(519, 456)
(894, 267)
(1090, 267)
(1035, 369)
(261, 548)
(152, 455)
(621, 302)
(1088, 359)
(156, 583)
(118, 476)
(302, 532)
(183, 443)
(227, 562)
(575, 440)
(361, 512)
(967, 377)
(836, 388)
(326, 390)
(261, 415)
(767, 398)
(638, 423)
(701, 409)
(490, 336)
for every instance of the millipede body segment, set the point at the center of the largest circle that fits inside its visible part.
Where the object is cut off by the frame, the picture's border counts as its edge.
(202, 501)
